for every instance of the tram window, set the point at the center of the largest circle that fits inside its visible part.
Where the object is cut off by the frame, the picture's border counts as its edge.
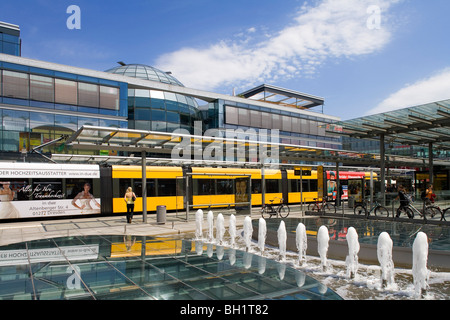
(75, 186)
(204, 187)
(43, 189)
(166, 187)
(151, 188)
(305, 186)
(312, 185)
(256, 185)
(294, 185)
(20, 187)
(272, 185)
(224, 186)
(123, 186)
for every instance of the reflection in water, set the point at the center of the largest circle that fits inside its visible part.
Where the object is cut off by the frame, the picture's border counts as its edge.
(134, 267)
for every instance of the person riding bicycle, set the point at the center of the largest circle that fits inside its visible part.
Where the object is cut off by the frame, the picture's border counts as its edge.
(404, 201)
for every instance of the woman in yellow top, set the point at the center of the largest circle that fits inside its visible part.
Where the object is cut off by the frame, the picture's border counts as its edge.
(430, 194)
(129, 198)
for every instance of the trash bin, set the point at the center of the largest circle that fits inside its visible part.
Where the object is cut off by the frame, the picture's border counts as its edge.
(161, 214)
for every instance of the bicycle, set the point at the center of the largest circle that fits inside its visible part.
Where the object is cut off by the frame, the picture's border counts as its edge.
(268, 210)
(376, 208)
(322, 206)
(428, 209)
(444, 212)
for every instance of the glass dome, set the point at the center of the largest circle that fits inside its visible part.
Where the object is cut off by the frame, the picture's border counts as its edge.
(142, 71)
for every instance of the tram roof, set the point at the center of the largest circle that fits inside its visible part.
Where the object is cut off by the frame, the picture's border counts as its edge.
(161, 144)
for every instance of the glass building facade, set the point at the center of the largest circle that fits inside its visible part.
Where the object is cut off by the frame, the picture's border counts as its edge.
(158, 110)
(10, 42)
(42, 101)
(39, 105)
(297, 127)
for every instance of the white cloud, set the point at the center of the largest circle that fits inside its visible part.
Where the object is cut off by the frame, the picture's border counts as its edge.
(432, 89)
(330, 29)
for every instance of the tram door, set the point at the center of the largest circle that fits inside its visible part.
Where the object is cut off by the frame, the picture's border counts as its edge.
(180, 194)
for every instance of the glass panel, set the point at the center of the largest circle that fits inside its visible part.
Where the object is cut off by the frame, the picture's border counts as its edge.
(41, 121)
(158, 115)
(41, 88)
(255, 119)
(142, 114)
(276, 122)
(157, 104)
(231, 115)
(88, 94)
(15, 84)
(286, 123)
(173, 117)
(295, 124)
(66, 122)
(244, 119)
(170, 96)
(16, 120)
(313, 127)
(142, 93)
(66, 91)
(157, 94)
(109, 98)
(266, 120)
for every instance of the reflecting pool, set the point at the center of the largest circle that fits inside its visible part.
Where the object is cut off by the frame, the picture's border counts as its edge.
(153, 268)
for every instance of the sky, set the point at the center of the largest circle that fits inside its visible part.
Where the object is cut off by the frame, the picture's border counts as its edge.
(362, 56)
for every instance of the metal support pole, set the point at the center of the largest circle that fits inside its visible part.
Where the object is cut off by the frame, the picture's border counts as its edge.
(382, 170)
(263, 187)
(430, 162)
(144, 186)
(338, 186)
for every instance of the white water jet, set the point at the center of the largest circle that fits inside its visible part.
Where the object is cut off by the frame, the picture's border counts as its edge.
(419, 268)
(262, 264)
(302, 243)
(262, 231)
(282, 237)
(198, 224)
(232, 229)
(353, 249)
(199, 247)
(322, 245)
(384, 254)
(248, 231)
(220, 228)
(220, 251)
(210, 219)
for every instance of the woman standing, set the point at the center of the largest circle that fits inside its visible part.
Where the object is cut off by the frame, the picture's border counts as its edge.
(130, 198)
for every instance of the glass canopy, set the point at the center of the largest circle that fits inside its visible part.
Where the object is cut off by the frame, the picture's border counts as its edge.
(245, 150)
(419, 125)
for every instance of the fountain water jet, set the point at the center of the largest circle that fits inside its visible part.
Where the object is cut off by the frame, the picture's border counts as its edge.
(232, 229)
(302, 243)
(353, 248)
(248, 231)
(282, 237)
(220, 228)
(384, 254)
(262, 230)
(210, 219)
(198, 224)
(322, 245)
(419, 268)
